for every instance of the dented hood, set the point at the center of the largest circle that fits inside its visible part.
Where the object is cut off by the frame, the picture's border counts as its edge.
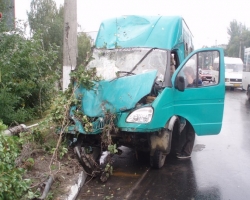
(116, 95)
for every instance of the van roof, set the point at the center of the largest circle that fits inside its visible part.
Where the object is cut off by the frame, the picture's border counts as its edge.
(247, 49)
(230, 60)
(142, 31)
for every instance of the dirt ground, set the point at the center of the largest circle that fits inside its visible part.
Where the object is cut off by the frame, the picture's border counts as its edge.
(65, 171)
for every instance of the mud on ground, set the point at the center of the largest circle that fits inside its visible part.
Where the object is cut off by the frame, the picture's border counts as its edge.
(65, 171)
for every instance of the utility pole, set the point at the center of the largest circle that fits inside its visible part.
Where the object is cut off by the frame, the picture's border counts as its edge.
(70, 40)
(240, 49)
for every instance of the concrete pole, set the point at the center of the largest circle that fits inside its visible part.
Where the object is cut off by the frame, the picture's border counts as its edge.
(240, 49)
(70, 40)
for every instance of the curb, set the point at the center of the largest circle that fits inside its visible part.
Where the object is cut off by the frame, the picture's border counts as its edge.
(74, 188)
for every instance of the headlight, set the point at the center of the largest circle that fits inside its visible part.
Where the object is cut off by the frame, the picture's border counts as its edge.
(226, 79)
(141, 115)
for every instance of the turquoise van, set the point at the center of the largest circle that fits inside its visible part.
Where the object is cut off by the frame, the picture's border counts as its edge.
(142, 60)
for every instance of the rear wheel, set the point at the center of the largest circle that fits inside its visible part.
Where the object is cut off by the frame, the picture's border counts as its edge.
(158, 159)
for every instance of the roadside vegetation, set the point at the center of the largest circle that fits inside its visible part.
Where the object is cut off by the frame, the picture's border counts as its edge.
(30, 89)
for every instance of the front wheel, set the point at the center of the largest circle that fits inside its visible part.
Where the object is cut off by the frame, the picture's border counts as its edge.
(158, 159)
(88, 159)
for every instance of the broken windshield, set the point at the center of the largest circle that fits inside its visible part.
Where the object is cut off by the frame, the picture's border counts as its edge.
(109, 63)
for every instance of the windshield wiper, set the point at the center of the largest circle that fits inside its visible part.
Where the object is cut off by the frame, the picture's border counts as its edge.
(142, 59)
(131, 71)
(125, 72)
(122, 72)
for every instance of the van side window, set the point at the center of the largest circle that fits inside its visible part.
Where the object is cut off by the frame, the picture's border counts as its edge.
(172, 64)
(189, 72)
(176, 59)
(186, 50)
(208, 69)
(200, 71)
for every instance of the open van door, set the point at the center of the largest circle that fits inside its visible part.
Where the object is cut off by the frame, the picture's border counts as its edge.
(201, 103)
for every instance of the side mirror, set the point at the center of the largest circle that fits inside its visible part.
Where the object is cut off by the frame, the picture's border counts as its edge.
(180, 83)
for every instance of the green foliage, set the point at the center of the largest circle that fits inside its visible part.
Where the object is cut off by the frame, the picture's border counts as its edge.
(112, 149)
(29, 163)
(239, 38)
(61, 151)
(60, 107)
(45, 18)
(85, 78)
(32, 195)
(88, 127)
(27, 78)
(36, 136)
(108, 169)
(84, 49)
(12, 185)
(109, 127)
(64, 101)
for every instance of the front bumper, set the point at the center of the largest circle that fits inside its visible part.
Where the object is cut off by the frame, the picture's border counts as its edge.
(233, 84)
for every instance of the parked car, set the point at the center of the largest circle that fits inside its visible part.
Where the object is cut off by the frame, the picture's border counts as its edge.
(206, 75)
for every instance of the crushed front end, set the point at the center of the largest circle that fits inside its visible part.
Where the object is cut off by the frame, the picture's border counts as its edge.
(131, 79)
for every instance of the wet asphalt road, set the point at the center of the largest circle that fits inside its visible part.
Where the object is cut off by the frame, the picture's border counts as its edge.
(219, 167)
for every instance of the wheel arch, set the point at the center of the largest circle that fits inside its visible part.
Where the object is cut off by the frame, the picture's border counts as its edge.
(171, 122)
(181, 122)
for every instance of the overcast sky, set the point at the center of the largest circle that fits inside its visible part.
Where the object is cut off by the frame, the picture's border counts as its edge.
(208, 20)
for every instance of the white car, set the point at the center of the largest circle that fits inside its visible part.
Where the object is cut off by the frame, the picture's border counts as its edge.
(233, 72)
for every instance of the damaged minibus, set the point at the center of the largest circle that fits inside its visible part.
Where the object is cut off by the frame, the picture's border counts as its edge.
(141, 62)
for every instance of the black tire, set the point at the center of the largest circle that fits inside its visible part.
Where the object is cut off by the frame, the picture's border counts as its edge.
(142, 156)
(86, 167)
(87, 163)
(157, 160)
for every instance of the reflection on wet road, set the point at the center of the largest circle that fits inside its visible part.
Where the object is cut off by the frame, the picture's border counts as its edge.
(218, 169)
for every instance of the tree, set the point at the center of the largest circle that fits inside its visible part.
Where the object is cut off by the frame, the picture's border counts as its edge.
(27, 77)
(45, 18)
(239, 38)
(84, 48)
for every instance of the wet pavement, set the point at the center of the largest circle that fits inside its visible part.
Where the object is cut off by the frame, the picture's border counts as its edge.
(219, 167)
(126, 175)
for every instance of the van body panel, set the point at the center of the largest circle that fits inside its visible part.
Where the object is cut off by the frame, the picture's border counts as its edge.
(142, 31)
(203, 107)
(163, 110)
(115, 95)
